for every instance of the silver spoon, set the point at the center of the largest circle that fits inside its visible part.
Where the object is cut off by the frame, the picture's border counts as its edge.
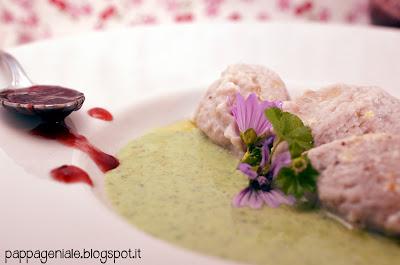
(23, 96)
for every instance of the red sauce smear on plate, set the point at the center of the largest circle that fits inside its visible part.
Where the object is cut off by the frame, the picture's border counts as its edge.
(71, 174)
(101, 114)
(56, 128)
(60, 132)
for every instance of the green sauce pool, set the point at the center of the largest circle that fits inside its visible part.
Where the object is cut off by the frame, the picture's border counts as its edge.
(174, 184)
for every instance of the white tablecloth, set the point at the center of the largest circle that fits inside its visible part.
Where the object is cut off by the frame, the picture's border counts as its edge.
(23, 21)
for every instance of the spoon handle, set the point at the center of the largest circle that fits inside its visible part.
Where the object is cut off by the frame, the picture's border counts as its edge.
(19, 78)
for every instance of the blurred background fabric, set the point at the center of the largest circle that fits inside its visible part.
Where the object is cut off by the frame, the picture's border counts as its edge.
(23, 21)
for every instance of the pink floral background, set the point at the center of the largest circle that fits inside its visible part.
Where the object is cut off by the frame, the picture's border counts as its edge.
(23, 21)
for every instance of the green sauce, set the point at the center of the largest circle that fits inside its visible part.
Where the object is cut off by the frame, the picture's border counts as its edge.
(176, 185)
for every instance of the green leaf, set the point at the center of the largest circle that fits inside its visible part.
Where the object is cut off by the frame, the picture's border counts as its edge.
(288, 127)
(297, 180)
(274, 115)
(300, 177)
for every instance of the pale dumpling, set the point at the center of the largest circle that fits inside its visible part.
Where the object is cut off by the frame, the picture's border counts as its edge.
(213, 115)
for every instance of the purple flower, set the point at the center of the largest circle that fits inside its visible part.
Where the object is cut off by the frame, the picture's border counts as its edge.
(279, 161)
(257, 198)
(260, 190)
(265, 151)
(249, 113)
(263, 166)
(247, 170)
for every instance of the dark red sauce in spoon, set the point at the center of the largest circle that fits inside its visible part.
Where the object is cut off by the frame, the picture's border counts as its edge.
(41, 94)
(51, 103)
(71, 174)
(60, 132)
(101, 114)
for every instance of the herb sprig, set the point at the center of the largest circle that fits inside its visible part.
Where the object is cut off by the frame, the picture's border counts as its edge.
(297, 180)
(300, 177)
(275, 162)
(290, 128)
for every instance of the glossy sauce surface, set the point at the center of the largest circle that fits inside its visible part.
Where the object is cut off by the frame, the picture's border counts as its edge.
(71, 174)
(41, 95)
(174, 184)
(101, 114)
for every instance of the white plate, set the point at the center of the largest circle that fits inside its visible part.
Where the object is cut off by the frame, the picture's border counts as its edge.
(148, 77)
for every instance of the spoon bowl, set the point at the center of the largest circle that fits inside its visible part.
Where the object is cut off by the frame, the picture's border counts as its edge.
(45, 101)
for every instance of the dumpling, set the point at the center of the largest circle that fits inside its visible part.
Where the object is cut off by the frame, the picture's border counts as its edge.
(338, 111)
(213, 115)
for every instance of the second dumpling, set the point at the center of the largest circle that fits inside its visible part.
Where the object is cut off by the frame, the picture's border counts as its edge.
(338, 111)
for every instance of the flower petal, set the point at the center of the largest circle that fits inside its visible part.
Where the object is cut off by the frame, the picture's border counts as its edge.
(269, 199)
(280, 197)
(279, 161)
(245, 199)
(247, 170)
(238, 111)
(248, 197)
(270, 140)
(256, 198)
(264, 154)
(255, 201)
(237, 200)
(264, 124)
(249, 113)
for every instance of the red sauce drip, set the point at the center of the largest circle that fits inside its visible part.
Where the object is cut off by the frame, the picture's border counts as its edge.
(60, 132)
(101, 114)
(71, 174)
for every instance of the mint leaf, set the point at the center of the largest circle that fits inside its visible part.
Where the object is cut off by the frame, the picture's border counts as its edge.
(290, 128)
(292, 181)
